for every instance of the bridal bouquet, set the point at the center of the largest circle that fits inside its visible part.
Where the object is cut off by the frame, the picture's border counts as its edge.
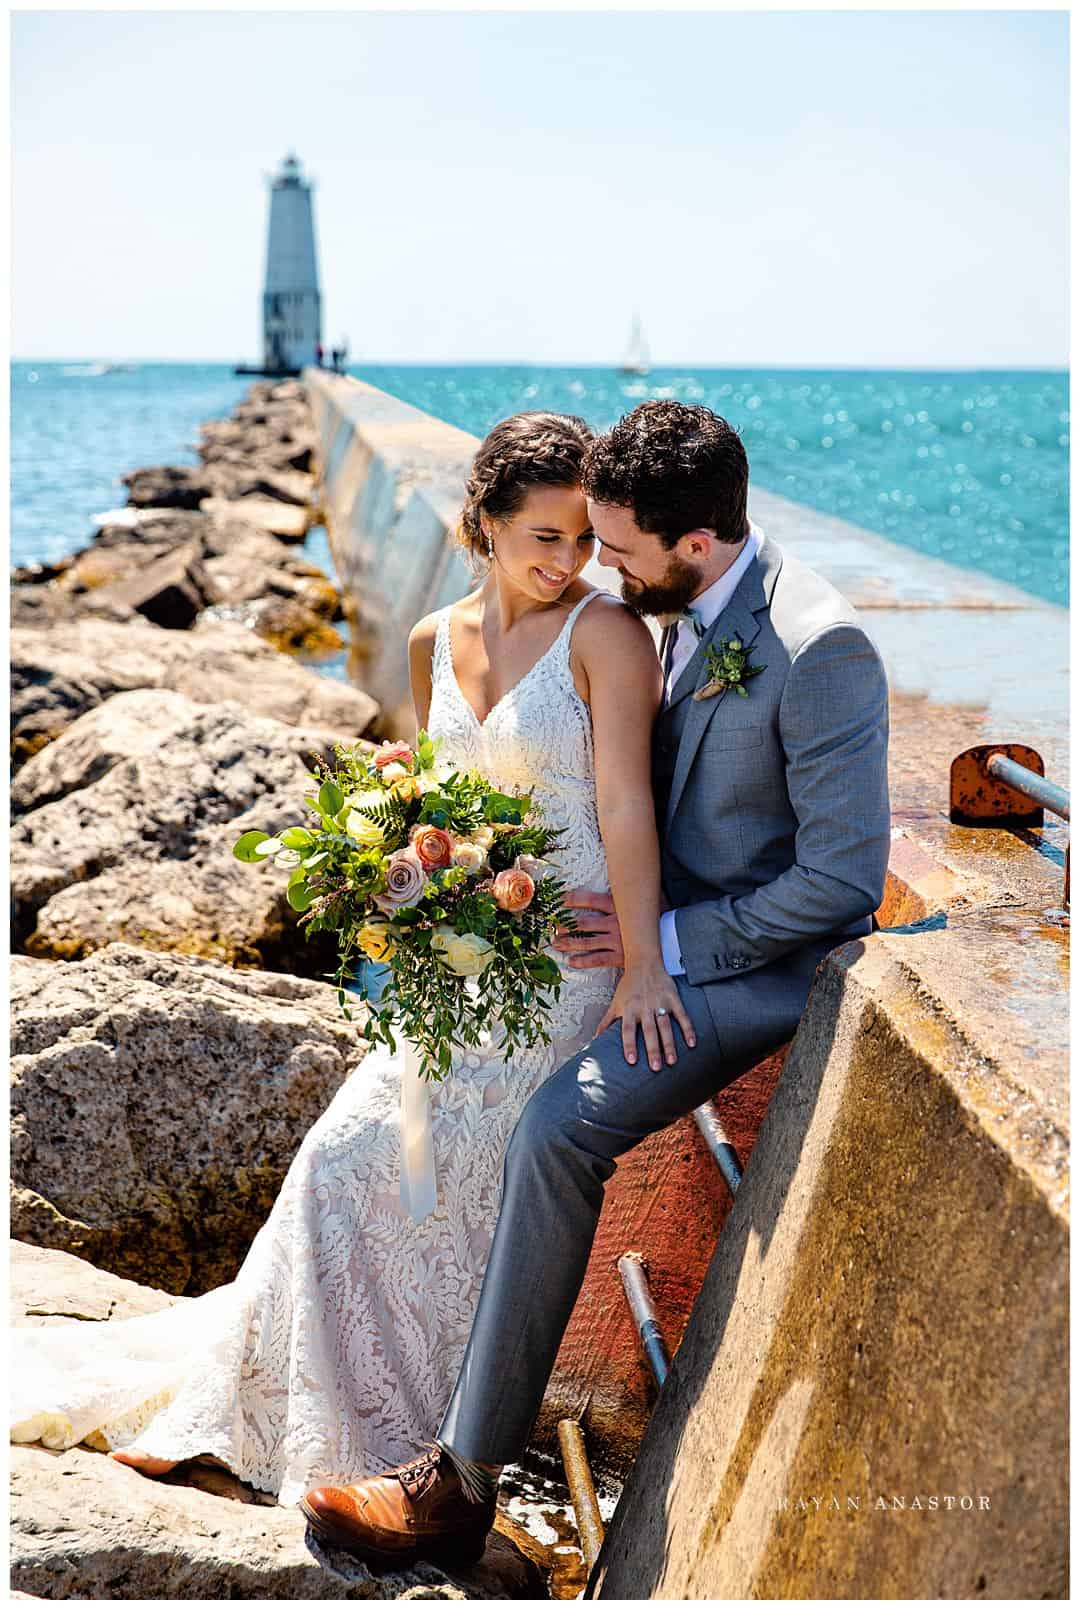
(438, 876)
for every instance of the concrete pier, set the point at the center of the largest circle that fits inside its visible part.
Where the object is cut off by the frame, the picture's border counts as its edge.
(884, 1311)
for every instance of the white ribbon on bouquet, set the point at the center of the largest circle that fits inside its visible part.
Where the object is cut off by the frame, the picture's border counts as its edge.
(418, 1191)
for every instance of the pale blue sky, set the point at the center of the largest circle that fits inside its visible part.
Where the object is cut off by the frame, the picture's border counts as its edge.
(829, 188)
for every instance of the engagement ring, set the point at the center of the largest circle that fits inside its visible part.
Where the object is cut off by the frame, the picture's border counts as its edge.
(661, 1011)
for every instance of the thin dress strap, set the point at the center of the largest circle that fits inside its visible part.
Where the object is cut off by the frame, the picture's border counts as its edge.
(567, 632)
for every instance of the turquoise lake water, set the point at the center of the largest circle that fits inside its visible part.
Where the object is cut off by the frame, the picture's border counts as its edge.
(970, 467)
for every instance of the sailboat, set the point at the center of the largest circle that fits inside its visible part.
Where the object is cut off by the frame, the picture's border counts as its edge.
(636, 361)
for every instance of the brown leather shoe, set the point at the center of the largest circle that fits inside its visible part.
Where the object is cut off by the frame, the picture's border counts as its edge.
(417, 1510)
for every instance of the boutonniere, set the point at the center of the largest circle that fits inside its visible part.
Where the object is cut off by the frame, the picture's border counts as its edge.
(727, 668)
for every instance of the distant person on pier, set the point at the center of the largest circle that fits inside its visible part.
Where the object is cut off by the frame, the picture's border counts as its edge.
(319, 353)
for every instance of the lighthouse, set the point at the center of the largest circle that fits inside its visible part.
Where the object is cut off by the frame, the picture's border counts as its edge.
(292, 305)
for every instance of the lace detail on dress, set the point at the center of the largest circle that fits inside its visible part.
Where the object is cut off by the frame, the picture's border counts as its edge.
(335, 1350)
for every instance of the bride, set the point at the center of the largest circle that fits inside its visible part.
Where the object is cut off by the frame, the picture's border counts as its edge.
(337, 1346)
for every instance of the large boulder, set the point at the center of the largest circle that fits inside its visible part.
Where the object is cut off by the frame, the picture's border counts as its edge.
(84, 1527)
(66, 668)
(144, 852)
(255, 479)
(49, 1287)
(286, 520)
(123, 727)
(157, 1101)
(167, 486)
(169, 591)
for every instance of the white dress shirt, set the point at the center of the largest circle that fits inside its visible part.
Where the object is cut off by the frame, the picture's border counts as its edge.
(706, 606)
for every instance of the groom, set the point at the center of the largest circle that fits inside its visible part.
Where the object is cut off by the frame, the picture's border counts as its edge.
(769, 773)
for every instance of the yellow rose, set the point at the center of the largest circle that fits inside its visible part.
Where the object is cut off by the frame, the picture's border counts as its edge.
(464, 954)
(405, 789)
(365, 832)
(376, 940)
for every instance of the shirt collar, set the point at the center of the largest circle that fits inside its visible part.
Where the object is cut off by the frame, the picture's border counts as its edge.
(707, 605)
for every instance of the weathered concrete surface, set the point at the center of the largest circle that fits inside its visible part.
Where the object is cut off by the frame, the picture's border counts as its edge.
(886, 1310)
(84, 1527)
(157, 1102)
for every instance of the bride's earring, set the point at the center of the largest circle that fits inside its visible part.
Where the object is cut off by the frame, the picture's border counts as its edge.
(490, 546)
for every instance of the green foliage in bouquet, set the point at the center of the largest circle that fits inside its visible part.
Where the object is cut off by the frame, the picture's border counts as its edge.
(441, 878)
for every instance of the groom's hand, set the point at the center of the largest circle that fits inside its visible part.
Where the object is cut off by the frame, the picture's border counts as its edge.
(598, 941)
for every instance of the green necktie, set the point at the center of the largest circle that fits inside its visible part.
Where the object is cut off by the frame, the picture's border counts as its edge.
(694, 621)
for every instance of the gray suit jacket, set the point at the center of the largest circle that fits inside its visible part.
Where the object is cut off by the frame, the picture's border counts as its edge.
(774, 809)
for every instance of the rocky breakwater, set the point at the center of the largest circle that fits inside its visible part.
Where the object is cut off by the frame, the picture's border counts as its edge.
(168, 1053)
(152, 707)
(83, 1527)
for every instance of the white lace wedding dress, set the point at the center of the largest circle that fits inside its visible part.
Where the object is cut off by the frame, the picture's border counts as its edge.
(335, 1350)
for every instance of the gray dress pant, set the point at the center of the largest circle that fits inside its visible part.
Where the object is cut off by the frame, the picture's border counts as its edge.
(562, 1151)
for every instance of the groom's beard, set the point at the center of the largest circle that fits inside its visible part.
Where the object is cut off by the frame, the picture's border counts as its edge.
(681, 583)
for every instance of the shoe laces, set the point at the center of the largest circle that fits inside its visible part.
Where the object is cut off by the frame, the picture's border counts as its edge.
(419, 1474)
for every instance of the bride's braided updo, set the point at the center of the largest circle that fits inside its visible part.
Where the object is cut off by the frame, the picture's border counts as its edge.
(531, 449)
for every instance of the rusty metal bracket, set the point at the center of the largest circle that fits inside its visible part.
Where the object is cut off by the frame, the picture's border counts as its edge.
(636, 1286)
(724, 1154)
(978, 795)
(590, 1523)
(1006, 785)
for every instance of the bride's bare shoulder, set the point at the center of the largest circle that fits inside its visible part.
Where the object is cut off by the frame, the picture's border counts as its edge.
(610, 641)
(609, 625)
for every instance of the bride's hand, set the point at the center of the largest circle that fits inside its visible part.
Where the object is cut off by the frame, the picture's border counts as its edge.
(647, 999)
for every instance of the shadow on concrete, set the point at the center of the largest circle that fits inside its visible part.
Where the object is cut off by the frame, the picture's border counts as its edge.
(752, 1221)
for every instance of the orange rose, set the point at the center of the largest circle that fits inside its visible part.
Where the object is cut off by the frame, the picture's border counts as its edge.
(434, 846)
(513, 890)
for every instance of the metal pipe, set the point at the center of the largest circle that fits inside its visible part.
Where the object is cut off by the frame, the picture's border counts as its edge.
(724, 1154)
(636, 1286)
(1049, 795)
(582, 1492)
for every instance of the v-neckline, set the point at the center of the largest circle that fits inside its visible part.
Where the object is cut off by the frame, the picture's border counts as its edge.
(521, 679)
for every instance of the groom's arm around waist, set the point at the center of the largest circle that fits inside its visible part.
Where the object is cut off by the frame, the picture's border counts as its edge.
(834, 728)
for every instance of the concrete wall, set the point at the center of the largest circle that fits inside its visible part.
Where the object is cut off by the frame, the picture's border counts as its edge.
(391, 480)
(884, 1323)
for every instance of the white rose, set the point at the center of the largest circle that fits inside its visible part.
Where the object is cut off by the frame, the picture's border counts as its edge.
(366, 800)
(391, 773)
(468, 855)
(535, 867)
(367, 833)
(484, 835)
(433, 778)
(464, 954)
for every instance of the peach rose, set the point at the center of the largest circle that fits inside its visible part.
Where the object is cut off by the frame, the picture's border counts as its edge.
(398, 753)
(434, 846)
(513, 890)
(405, 881)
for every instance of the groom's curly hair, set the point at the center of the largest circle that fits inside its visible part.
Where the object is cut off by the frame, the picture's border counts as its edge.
(677, 466)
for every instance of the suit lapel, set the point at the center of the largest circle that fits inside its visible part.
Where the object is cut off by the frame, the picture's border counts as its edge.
(739, 618)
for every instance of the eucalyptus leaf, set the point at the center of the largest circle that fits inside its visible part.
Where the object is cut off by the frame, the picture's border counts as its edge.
(245, 847)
